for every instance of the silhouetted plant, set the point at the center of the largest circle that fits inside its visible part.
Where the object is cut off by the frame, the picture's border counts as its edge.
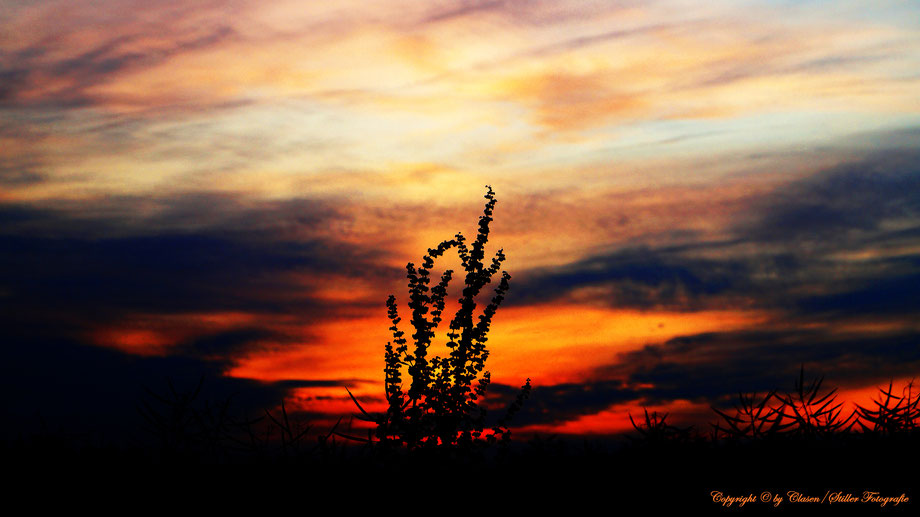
(656, 429)
(812, 415)
(893, 414)
(175, 423)
(292, 434)
(441, 405)
(805, 412)
(501, 428)
(189, 429)
(753, 417)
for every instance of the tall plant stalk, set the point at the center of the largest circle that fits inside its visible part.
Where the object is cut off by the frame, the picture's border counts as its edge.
(443, 403)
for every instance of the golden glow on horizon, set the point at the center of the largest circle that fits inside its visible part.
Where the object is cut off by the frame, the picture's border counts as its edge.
(547, 344)
(615, 419)
(558, 343)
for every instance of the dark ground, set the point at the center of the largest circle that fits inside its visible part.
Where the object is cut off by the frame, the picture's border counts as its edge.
(568, 476)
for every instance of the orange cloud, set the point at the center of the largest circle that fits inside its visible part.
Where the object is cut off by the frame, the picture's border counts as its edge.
(566, 101)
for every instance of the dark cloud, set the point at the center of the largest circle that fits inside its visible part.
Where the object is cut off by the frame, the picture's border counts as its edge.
(559, 403)
(164, 273)
(709, 367)
(60, 384)
(892, 292)
(839, 206)
(71, 271)
(314, 383)
(642, 277)
(194, 254)
(18, 176)
(215, 214)
(11, 81)
(225, 346)
(839, 242)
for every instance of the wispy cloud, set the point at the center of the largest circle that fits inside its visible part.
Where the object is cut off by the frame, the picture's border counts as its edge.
(790, 244)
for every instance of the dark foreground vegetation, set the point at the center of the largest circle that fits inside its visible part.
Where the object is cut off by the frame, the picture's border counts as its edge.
(197, 447)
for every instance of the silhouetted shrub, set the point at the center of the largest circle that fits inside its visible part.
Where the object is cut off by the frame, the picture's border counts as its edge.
(893, 414)
(442, 404)
(812, 415)
(656, 429)
(753, 417)
(804, 413)
(188, 429)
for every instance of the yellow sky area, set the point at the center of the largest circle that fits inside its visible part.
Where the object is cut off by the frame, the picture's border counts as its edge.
(433, 185)
(828, 93)
(374, 71)
(649, 74)
(364, 59)
(372, 110)
(683, 75)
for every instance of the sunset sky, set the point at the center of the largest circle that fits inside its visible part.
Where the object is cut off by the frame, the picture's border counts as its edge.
(694, 198)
